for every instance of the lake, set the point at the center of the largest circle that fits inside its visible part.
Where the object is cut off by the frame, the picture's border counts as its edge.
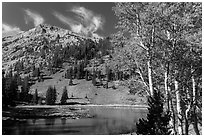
(106, 121)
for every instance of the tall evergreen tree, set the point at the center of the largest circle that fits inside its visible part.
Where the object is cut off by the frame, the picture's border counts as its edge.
(70, 81)
(25, 89)
(35, 97)
(68, 74)
(51, 96)
(86, 75)
(157, 122)
(94, 78)
(64, 97)
(108, 74)
(4, 95)
(78, 75)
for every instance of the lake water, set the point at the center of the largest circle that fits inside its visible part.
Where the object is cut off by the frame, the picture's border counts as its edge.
(106, 121)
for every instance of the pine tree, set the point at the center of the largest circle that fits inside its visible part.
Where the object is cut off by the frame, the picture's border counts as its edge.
(54, 97)
(25, 87)
(65, 75)
(108, 74)
(70, 81)
(106, 85)
(35, 97)
(68, 73)
(64, 96)
(157, 122)
(86, 75)
(78, 75)
(4, 96)
(74, 72)
(94, 78)
(100, 77)
(51, 96)
(48, 99)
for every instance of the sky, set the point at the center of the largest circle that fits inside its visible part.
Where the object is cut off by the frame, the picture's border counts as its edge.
(87, 18)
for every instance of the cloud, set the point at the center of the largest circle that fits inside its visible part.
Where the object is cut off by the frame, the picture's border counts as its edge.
(7, 28)
(64, 19)
(86, 23)
(74, 25)
(34, 17)
(89, 19)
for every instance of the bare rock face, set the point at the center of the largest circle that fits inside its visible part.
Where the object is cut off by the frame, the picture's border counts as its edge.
(27, 46)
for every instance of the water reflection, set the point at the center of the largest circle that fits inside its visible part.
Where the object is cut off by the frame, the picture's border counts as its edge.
(63, 121)
(34, 120)
(106, 121)
(50, 122)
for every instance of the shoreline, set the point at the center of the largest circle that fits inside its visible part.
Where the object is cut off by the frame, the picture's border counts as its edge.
(88, 105)
(53, 111)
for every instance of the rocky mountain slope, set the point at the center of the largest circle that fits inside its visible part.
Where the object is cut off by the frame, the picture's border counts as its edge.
(27, 46)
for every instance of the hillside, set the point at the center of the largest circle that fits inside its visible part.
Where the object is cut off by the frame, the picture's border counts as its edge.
(82, 89)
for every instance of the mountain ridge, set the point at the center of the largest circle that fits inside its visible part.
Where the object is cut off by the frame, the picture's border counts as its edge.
(26, 45)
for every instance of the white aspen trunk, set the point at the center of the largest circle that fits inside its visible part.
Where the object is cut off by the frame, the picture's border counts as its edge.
(178, 107)
(146, 85)
(166, 89)
(195, 120)
(150, 77)
(186, 120)
(168, 102)
(173, 118)
(187, 112)
(149, 63)
(194, 90)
